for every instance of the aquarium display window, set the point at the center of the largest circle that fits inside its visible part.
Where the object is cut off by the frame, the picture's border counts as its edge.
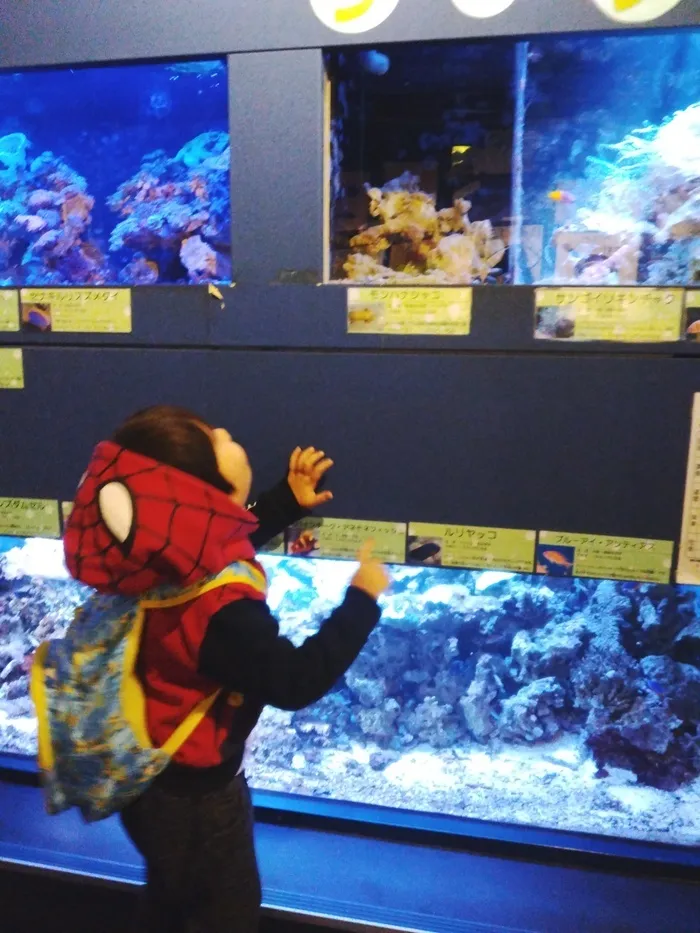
(556, 161)
(421, 140)
(611, 160)
(115, 175)
(551, 702)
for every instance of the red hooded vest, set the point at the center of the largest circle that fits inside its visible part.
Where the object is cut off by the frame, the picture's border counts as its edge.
(171, 528)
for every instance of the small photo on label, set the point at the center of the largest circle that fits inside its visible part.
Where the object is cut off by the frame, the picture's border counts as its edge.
(303, 539)
(555, 323)
(37, 316)
(555, 561)
(424, 551)
(692, 324)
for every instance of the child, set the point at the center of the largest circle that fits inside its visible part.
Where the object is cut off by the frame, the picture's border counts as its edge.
(164, 502)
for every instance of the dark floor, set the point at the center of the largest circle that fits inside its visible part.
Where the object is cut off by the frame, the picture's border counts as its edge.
(311, 872)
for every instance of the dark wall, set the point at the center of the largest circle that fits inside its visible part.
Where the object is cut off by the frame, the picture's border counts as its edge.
(48, 32)
(559, 442)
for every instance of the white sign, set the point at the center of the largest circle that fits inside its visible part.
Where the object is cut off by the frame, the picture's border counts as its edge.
(689, 553)
(635, 11)
(482, 8)
(353, 16)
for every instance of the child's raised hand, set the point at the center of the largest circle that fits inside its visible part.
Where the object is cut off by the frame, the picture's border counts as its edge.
(306, 470)
(371, 576)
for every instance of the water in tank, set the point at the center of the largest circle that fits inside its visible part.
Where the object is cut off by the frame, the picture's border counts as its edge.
(559, 160)
(546, 701)
(115, 175)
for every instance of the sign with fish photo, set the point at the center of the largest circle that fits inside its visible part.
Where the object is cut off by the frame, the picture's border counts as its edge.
(29, 518)
(623, 315)
(471, 546)
(343, 537)
(76, 310)
(9, 311)
(445, 312)
(11, 368)
(560, 554)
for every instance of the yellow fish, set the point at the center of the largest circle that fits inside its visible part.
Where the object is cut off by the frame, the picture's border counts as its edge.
(622, 5)
(365, 316)
(346, 14)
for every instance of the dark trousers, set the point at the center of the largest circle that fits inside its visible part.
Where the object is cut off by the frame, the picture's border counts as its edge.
(201, 870)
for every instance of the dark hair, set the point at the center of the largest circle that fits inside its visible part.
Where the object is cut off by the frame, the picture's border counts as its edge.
(176, 437)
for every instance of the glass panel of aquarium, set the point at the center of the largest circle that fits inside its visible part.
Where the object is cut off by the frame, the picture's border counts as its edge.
(421, 163)
(115, 175)
(611, 160)
(569, 161)
(544, 701)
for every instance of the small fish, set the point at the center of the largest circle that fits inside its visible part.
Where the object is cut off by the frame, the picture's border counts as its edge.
(693, 329)
(560, 196)
(622, 5)
(424, 552)
(556, 558)
(352, 11)
(365, 316)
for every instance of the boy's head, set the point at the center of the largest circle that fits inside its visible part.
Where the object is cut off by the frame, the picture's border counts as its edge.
(183, 440)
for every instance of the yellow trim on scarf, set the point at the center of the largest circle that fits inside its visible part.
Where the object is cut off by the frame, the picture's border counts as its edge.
(37, 690)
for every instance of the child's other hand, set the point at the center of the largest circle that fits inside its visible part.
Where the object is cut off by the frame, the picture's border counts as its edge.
(306, 470)
(372, 576)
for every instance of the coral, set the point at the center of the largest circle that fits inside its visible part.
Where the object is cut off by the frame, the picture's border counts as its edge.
(176, 210)
(45, 213)
(533, 714)
(549, 652)
(648, 185)
(433, 246)
(481, 706)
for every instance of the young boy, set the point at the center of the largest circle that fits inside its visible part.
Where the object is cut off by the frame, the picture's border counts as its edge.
(164, 502)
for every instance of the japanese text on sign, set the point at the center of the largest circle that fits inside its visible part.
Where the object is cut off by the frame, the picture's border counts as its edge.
(441, 311)
(471, 546)
(562, 554)
(76, 310)
(343, 537)
(29, 518)
(626, 315)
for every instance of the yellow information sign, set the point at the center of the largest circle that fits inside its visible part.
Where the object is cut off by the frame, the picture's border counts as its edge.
(471, 546)
(77, 310)
(575, 555)
(29, 518)
(343, 537)
(625, 315)
(11, 368)
(9, 311)
(442, 311)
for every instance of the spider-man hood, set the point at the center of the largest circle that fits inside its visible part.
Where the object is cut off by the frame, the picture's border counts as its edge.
(137, 523)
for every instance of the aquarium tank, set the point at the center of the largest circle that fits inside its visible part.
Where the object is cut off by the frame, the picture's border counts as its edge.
(528, 163)
(115, 175)
(544, 701)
